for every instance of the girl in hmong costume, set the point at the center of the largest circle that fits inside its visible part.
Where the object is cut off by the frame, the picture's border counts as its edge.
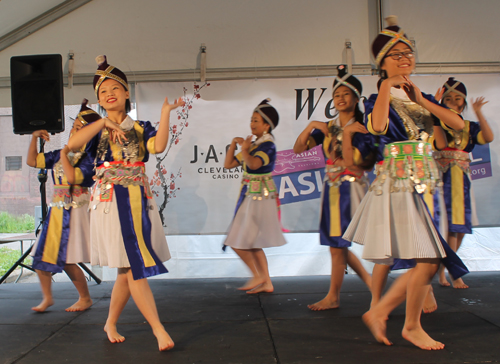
(393, 220)
(349, 151)
(454, 161)
(125, 226)
(64, 240)
(256, 223)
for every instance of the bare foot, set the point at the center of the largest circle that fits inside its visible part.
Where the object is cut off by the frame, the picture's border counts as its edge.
(377, 327)
(442, 279)
(266, 287)
(326, 303)
(420, 338)
(165, 342)
(459, 283)
(46, 303)
(113, 335)
(251, 284)
(430, 304)
(80, 305)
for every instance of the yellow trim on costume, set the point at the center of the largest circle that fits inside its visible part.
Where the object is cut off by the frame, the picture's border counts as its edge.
(53, 237)
(40, 160)
(151, 145)
(311, 143)
(136, 210)
(140, 135)
(429, 201)
(370, 126)
(264, 156)
(327, 141)
(465, 135)
(334, 202)
(457, 196)
(480, 138)
(78, 176)
(356, 156)
(239, 157)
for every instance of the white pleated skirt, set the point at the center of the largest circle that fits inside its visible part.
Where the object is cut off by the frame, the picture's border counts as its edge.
(107, 246)
(79, 236)
(256, 225)
(394, 225)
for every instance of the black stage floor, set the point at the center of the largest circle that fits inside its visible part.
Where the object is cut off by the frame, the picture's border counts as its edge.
(211, 322)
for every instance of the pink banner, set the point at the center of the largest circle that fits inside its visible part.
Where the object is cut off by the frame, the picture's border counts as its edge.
(289, 162)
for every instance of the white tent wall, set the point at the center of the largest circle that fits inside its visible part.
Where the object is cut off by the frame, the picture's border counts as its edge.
(450, 30)
(152, 35)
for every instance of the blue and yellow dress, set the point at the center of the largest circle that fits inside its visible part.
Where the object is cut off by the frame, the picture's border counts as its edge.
(393, 221)
(64, 238)
(343, 189)
(256, 222)
(454, 164)
(125, 225)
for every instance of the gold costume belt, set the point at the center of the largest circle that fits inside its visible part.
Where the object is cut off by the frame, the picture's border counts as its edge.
(259, 185)
(63, 196)
(410, 161)
(449, 157)
(123, 174)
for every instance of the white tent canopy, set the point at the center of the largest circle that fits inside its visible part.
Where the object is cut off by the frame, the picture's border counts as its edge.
(160, 40)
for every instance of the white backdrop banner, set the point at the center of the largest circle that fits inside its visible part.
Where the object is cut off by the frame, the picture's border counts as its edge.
(197, 195)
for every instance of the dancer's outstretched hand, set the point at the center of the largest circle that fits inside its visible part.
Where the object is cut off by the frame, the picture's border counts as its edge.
(478, 103)
(439, 94)
(167, 107)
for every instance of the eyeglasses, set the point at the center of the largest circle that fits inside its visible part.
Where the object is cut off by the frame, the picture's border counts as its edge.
(399, 55)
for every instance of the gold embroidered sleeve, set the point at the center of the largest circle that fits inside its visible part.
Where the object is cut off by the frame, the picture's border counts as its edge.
(480, 138)
(372, 131)
(311, 143)
(78, 176)
(264, 157)
(239, 157)
(357, 157)
(40, 161)
(151, 145)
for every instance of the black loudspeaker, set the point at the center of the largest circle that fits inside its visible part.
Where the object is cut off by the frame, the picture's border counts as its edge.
(37, 93)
